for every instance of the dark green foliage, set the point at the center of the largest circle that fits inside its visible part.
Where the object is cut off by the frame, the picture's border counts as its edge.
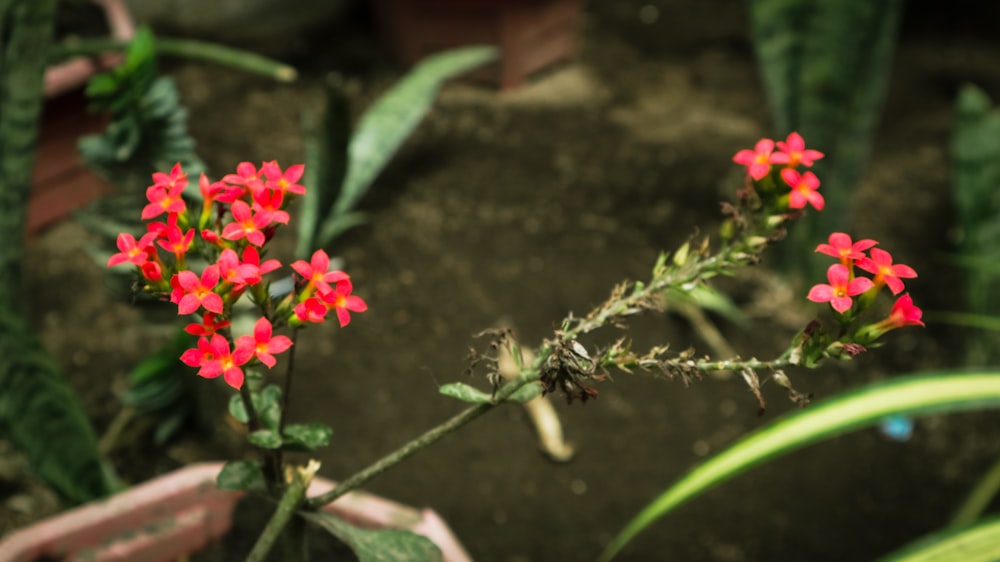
(148, 128)
(39, 412)
(976, 165)
(160, 386)
(825, 67)
(378, 545)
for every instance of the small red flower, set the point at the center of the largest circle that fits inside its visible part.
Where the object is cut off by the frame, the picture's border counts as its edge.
(283, 182)
(214, 358)
(238, 273)
(175, 241)
(880, 264)
(841, 288)
(247, 224)
(190, 292)
(758, 160)
(794, 152)
(262, 344)
(842, 248)
(310, 310)
(903, 313)
(131, 251)
(804, 188)
(152, 271)
(270, 201)
(207, 326)
(315, 272)
(252, 256)
(247, 176)
(343, 302)
(165, 194)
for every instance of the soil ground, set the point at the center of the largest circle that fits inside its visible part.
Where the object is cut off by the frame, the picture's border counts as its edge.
(519, 208)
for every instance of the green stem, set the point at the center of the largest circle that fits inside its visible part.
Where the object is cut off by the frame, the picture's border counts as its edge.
(429, 437)
(185, 48)
(290, 501)
(977, 500)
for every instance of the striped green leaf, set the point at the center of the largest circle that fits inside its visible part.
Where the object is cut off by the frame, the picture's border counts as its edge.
(979, 543)
(912, 396)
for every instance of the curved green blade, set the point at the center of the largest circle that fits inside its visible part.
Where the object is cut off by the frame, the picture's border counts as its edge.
(979, 543)
(912, 395)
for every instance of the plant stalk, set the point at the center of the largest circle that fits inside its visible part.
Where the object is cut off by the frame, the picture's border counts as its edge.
(429, 437)
(290, 501)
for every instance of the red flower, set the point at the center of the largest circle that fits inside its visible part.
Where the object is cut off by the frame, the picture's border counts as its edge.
(758, 160)
(247, 224)
(903, 313)
(165, 193)
(214, 358)
(283, 182)
(880, 264)
(841, 288)
(804, 188)
(173, 240)
(262, 344)
(131, 251)
(234, 271)
(247, 176)
(252, 256)
(207, 326)
(842, 248)
(190, 292)
(270, 201)
(152, 271)
(341, 300)
(310, 310)
(794, 152)
(315, 272)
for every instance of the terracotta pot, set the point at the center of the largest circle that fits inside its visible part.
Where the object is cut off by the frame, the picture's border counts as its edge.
(531, 34)
(61, 182)
(178, 514)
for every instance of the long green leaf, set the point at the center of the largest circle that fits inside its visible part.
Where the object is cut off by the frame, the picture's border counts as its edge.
(980, 543)
(390, 121)
(912, 396)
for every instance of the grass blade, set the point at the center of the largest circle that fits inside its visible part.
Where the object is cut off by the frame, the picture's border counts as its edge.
(912, 396)
(980, 543)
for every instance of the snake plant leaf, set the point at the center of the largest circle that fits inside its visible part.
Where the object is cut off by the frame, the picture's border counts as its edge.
(386, 125)
(378, 545)
(978, 543)
(911, 395)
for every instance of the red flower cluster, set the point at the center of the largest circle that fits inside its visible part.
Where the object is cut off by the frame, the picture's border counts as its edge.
(791, 154)
(238, 218)
(844, 285)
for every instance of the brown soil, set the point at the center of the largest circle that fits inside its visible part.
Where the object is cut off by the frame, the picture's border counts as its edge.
(520, 208)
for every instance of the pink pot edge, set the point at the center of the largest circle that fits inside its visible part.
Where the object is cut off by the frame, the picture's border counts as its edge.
(181, 512)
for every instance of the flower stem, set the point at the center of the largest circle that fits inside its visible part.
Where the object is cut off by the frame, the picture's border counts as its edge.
(429, 437)
(288, 382)
(186, 48)
(290, 501)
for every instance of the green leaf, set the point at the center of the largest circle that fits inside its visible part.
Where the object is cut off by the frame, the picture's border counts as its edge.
(308, 436)
(911, 396)
(980, 543)
(326, 164)
(237, 409)
(42, 415)
(242, 476)
(268, 404)
(265, 439)
(526, 393)
(378, 545)
(386, 125)
(465, 393)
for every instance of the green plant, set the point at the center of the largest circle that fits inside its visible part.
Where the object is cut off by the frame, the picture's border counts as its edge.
(39, 412)
(912, 396)
(825, 67)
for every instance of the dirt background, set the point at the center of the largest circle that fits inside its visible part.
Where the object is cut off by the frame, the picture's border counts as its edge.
(521, 207)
